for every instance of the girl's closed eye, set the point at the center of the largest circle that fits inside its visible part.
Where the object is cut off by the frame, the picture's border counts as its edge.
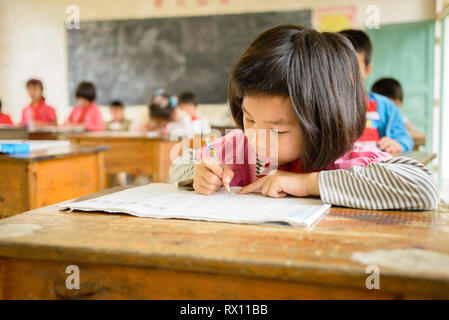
(279, 131)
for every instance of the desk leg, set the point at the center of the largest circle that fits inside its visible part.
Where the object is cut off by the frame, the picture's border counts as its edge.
(102, 184)
(32, 186)
(14, 188)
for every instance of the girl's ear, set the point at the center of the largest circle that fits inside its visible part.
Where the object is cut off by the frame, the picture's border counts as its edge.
(368, 69)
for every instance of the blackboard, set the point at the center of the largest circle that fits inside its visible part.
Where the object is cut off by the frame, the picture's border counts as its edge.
(129, 59)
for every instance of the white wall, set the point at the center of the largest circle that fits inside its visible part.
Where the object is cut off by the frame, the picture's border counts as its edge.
(33, 34)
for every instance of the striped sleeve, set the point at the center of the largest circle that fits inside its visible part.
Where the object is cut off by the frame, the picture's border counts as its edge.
(183, 169)
(398, 183)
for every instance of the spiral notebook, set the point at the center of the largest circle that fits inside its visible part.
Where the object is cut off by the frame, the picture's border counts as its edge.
(159, 200)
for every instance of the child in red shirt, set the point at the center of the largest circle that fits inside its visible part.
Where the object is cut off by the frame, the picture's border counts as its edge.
(37, 113)
(86, 114)
(4, 118)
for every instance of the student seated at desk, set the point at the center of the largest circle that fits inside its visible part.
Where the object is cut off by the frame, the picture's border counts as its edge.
(118, 121)
(4, 118)
(161, 115)
(189, 105)
(385, 125)
(392, 89)
(164, 116)
(87, 114)
(313, 108)
(37, 113)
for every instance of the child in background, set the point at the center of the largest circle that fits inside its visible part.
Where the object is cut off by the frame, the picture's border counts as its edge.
(87, 114)
(189, 104)
(392, 89)
(314, 102)
(385, 125)
(160, 117)
(4, 118)
(118, 122)
(164, 116)
(37, 113)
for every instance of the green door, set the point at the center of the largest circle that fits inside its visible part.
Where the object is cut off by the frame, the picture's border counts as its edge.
(406, 52)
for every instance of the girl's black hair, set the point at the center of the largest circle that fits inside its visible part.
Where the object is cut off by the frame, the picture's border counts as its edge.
(389, 87)
(86, 90)
(158, 112)
(188, 97)
(117, 103)
(320, 74)
(36, 82)
(161, 106)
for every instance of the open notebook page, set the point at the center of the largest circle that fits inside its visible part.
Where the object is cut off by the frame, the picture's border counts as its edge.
(159, 200)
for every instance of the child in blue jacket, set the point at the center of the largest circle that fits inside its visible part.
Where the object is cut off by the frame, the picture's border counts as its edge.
(385, 125)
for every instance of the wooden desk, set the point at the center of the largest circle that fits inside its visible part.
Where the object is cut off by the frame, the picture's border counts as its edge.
(121, 256)
(11, 132)
(419, 139)
(41, 133)
(423, 157)
(133, 153)
(36, 179)
(52, 133)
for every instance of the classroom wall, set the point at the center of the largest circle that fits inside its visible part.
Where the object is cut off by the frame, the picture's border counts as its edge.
(444, 116)
(33, 34)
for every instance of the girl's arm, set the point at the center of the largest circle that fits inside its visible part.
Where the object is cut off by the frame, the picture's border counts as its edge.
(398, 183)
(183, 169)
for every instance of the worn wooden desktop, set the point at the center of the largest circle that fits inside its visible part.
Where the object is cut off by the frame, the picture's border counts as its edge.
(41, 133)
(11, 132)
(418, 141)
(125, 257)
(52, 133)
(131, 152)
(36, 179)
(421, 156)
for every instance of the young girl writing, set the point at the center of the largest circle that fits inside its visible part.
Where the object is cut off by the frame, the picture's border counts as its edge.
(37, 113)
(306, 87)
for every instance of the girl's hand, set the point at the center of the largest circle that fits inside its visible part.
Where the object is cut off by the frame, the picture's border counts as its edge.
(280, 183)
(390, 145)
(209, 176)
